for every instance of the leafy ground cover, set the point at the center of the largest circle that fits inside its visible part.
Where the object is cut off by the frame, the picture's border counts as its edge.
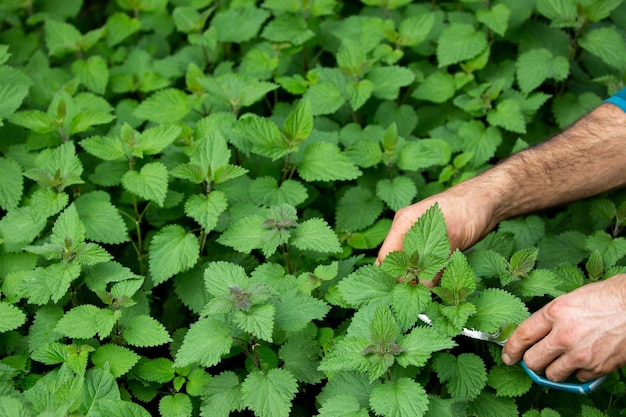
(192, 194)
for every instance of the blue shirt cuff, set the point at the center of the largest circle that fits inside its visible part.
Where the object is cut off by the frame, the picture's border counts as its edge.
(619, 99)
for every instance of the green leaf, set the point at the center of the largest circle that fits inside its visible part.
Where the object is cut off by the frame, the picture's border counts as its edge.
(368, 284)
(438, 87)
(11, 96)
(50, 283)
(176, 405)
(481, 142)
(102, 220)
(259, 321)
(165, 106)
(415, 29)
(299, 123)
(371, 237)
(205, 343)
(244, 235)
(267, 192)
(100, 385)
(570, 107)
(409, 301)
(119, 359)
(401, 398)
(561, 13)
(266, 138)
(420, 344)
(144, 331)
(387, 81)
(35, 120)
(57, 168)
(222, 395)
(496, 18)
(172, 250)
(357, 209)
(459, 42)
(324, 161)
(537, 65)
(508, 115)
(92, 73)
(495, 307)
(458, 280)
(611, 249)
(229, 23)
(61, 38)
(11, 317)
(269, 394)
(325, 98)
(85, 321)
(295, 310)
(155, 139)
(11, 184)
(342, 405)
(464, 376)
(120, 26)
(236, 91)
(288, 28)
(423, 153)
(206, 210)
(122, 409)
(509, 381)
(607, 44)
(488, 405)
(316, 235)
(397, 192)
(149, 183)
(156, 370)
(301, 357)
(540, 282)
(526, 232)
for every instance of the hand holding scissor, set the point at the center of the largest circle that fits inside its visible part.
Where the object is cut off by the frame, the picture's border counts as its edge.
(574, 387)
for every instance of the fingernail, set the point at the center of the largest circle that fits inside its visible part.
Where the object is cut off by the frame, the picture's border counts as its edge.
(506, 359)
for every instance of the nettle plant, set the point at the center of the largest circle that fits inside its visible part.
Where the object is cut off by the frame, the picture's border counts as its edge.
(193, 192)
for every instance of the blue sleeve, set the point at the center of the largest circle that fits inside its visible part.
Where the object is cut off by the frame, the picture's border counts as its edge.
(619, 99)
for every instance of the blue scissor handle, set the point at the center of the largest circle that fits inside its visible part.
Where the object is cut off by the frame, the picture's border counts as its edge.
(576, 388)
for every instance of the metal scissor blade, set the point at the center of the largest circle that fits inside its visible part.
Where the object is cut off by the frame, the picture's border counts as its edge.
(473, 334)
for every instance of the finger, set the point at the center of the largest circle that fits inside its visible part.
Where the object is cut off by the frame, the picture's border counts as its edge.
(545, 358)
(394, 238)
(529, 332)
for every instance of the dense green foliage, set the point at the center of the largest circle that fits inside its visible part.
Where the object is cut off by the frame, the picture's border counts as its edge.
(192, 194)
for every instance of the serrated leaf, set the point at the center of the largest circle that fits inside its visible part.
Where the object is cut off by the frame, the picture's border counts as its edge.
(102, 220)
(368, 284)
(205, 343)
(61, 37)
(57, 168)
(206, 210)
(165, 106)
(397, 193)
(50, 283)
(316, 235)
(119, 359)
(301, 357)
(459, 42)
(488, 405)
(100, 385)
(266, 191)
(509, 381)
(176, 405)
(480, 141)
(11, 183)
(508, 115)
(409, 301)
(323, 161)
(11, 317)
(259, 321)
(11, 96)
(401, 398)
(145, 331)
(35, 120)
(496, 18)
(172, 250)
(296, 309)
(149, 183)
(570, 107)
(299, 123)
(387, 81)
(495, 307)
(540, 282)
(438, 87)
(357, 209)
(155, 139)
(423, 153)
(342, 405)
(537, 65)
(122, 409)
(244, 235)
(156, 370)
(464, 376)
(92, 73)
(420, 344)
(266, 138)
(119, 27)
(325, 98)
(611, 249)
(458, 280)
(222, 395)
(85, 321)
(605, 43)
(229, 27)
(269, 394)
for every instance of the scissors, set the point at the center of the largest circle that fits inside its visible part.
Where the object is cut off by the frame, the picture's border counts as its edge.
(573, 387)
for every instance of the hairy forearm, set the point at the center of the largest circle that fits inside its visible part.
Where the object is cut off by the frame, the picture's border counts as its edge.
(584, 160)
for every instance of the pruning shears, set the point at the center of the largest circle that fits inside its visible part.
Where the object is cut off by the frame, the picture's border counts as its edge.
(500, 339)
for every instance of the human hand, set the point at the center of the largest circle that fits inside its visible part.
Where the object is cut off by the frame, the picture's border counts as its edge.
(467, 211)
(581, 333)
